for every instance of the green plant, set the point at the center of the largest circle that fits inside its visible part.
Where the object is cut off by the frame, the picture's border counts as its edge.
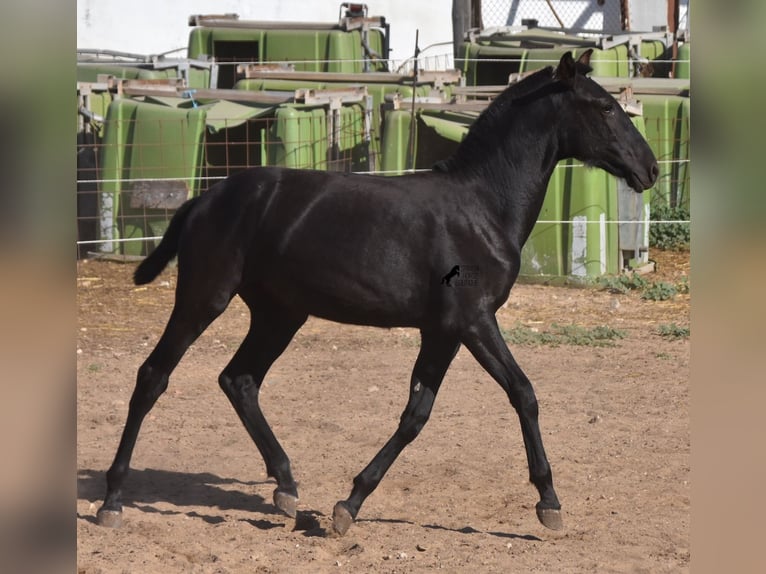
(655, 291)
(600, 336)
(669, 235)
(673, 331)
(661, 291)
(623, 283)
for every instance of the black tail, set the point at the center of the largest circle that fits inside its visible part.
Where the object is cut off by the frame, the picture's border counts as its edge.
(158, 259)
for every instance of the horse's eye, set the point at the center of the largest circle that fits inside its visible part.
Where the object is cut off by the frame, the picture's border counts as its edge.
(607, 109)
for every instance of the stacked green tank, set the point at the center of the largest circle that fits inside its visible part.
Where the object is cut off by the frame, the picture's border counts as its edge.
(157, 149)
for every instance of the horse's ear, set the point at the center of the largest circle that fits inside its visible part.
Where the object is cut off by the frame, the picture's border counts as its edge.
(584, 58)
(583, 62)
(567, 69)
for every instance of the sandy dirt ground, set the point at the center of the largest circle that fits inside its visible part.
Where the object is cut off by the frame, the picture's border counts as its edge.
(615, 421)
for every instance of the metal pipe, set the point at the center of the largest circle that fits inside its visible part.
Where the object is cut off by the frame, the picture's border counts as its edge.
(555, 14)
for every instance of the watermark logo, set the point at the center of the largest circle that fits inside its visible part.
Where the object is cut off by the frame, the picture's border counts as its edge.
(454, 272)
(461, 276)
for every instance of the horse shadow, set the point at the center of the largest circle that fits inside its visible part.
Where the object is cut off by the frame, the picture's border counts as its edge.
(150, 486)
(181, 489)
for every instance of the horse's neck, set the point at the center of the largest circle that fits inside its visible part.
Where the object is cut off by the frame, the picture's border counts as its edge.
(514, 175)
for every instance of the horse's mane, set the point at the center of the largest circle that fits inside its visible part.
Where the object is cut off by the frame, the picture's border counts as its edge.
(517, 94)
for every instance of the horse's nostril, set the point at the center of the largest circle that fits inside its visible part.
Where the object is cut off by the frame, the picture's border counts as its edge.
(655, 171)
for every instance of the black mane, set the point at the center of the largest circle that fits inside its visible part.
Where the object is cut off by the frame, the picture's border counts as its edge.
(489, 127)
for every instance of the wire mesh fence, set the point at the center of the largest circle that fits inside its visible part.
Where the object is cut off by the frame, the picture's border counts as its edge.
(138, 165)
(573, 14)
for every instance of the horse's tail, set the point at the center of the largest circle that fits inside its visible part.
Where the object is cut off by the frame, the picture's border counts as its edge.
(158, 259)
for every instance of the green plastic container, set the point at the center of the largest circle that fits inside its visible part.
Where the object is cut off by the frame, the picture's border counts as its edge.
(683, 64)
(667, 120)
(491, 62)
(395, 142)
(543, 253)
(436, 135)
(652, 49)
(300, 137)
(587, 244)
(378, 92)
(574, 236)
(310, 50)
(151, 160)
(611, 63)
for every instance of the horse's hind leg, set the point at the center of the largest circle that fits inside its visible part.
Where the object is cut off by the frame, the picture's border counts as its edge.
(192, 313)
(436, 354)
(271, 330)
(486, 343)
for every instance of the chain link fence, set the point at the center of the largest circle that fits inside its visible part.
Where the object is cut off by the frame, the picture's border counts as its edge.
(576, 14)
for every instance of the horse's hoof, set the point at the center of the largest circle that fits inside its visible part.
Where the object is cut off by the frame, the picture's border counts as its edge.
(287, 503)
(109, 518)
(341, 519)
(550, 518)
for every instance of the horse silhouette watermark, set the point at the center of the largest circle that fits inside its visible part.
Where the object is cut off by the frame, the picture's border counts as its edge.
(462, 276)
(454, 272)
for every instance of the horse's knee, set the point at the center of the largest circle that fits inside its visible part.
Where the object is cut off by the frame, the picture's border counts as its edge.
(524, 401)
(236, 385)
(150, 384)
(411, 424)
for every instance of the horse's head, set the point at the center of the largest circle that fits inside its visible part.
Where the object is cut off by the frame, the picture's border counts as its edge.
(599, 132)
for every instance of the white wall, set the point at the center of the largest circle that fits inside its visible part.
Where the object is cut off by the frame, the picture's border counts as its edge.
(156, 26)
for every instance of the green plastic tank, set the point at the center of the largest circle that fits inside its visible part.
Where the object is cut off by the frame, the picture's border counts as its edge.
(151, 160)
(300, 137)
(667, 119)
(310, 50)
(491, 62)
(587, 242)
(683, 63)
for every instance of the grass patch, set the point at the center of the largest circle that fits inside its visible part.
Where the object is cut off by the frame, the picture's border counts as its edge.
(661, 291)
(623, 283)
(601, 336)
(653, 291)
(673, 331)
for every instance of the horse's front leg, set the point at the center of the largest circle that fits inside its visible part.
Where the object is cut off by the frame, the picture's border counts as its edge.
(486, 343)
(436, 354)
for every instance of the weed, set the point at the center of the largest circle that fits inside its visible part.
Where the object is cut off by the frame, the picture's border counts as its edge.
(669, 235)
(673, 331)
(601, 336)
(623, 283)
(655, 291)
(661, 291)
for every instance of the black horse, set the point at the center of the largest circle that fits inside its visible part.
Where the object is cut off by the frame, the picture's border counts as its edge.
(377, 248)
